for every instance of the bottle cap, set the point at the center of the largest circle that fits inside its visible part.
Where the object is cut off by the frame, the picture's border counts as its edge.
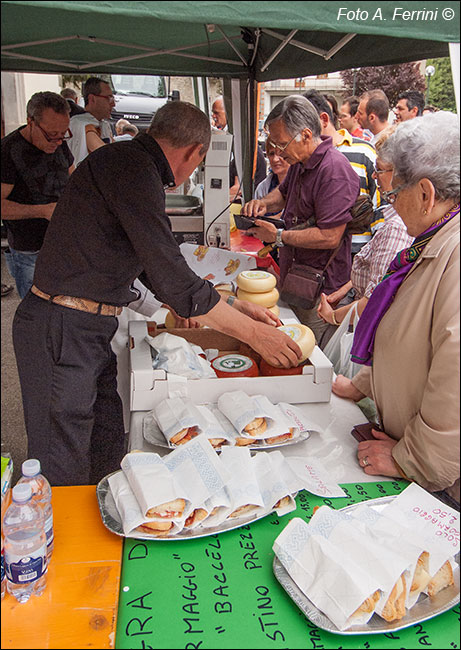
(22, 492)
(31, 467)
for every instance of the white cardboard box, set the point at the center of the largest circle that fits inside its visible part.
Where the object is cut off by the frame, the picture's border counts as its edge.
(149, 386)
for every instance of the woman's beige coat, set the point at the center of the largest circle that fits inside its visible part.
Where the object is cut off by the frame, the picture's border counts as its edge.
(414, 379)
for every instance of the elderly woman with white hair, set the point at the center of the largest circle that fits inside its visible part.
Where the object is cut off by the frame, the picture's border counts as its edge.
(408, 334)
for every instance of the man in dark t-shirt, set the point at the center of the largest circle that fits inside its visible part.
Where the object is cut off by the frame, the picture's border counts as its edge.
(36, 163)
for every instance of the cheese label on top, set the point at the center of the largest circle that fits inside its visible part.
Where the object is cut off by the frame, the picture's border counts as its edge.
(256, 281)
(303, 336)
(232, 363)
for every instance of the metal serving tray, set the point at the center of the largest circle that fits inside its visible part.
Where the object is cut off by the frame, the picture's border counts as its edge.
(111, 519)
(424, 609)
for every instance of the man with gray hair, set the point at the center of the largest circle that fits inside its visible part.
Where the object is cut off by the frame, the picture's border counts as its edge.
(36, 163)
(110, 229)
(317, 196)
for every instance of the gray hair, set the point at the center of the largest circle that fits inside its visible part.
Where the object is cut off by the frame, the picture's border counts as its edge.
(43, 100)
(181, 124)
(426, 147)
(296, 113)
(69, 93)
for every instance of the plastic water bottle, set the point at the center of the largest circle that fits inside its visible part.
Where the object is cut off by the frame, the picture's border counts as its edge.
(25, 545)
(41, 494)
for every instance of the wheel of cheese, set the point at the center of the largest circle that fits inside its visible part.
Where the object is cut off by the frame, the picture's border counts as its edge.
(275, 310)
(303, 336)
(266, 299)
(235, 365)
(266, 370)
(256, 281)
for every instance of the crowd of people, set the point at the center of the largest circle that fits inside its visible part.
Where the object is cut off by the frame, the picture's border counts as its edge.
(88, 239)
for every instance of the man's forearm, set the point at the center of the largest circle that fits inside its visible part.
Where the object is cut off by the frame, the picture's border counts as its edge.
(313, 238)
(274, 201)
(12, 210)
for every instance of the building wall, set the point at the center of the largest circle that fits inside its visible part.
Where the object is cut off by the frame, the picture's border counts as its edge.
(17, 89)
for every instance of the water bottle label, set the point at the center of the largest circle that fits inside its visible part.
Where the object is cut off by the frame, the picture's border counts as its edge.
(26, 569)
(49, 530)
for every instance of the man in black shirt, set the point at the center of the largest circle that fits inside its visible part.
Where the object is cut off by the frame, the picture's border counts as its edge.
(109, 228)
(36, 163)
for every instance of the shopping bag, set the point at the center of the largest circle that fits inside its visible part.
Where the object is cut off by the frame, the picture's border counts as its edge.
(338, 348)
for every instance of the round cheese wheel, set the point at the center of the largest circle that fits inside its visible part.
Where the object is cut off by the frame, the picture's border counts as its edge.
(303, 336)
(256, 281)
(267, 370)
(170, 321)
(266, 299)
(234, 365)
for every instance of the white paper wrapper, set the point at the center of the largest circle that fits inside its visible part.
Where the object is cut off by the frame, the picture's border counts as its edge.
(220, 507)
(175, 414)
(128, 506)
(153, 483)
(272, 484)
(385, 564)
(216, 426)
(327, 576)
(243, 486)
(312, 476)
(178, 356)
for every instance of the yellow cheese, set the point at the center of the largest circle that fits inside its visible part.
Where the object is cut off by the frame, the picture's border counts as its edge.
(266, 299)
(303, 336)
(256, 281)
(275, 310)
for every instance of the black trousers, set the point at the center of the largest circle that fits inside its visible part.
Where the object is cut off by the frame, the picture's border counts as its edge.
(67, 370)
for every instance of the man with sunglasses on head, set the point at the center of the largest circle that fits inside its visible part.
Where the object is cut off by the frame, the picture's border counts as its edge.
(36, 163)
(91, 129)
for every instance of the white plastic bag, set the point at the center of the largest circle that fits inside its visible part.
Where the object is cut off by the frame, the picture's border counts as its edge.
(338, 348)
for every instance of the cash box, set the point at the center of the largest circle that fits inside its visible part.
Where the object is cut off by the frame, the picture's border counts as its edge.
(149, 386)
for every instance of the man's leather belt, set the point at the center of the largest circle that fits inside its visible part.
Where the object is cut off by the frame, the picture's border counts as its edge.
(82, 304)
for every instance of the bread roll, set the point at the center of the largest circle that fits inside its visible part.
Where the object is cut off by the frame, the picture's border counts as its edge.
(256, 427)
(281, 438)
(217, 442)
(243, 510)
(421, 575)
(196, 515)
(158, 528)
(394, 609)
(168, 510)
(367, 606)
(442, 579)
(281, 503)
(243, 442)
(184, 435)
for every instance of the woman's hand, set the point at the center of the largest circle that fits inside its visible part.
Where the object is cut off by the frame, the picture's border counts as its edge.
(256, 312)
(343, 387)
(325, 310)
(375, 456)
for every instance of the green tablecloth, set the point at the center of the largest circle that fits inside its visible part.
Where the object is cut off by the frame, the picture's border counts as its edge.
(220, 592)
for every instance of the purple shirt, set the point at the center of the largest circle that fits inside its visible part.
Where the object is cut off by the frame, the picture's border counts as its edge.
(325, 187)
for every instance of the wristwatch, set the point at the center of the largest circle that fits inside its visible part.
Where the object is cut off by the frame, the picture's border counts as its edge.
(278, 238)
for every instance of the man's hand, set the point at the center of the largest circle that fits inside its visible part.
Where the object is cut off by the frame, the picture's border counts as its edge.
(254, 208)
(276, 347)
(325, 310)
(343, 387)
(256, 312)
(375, 456)
(264, 231)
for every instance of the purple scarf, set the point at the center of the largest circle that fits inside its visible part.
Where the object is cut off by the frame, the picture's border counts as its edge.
(384, 293)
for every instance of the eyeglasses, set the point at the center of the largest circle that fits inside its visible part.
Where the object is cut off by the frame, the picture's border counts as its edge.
(67, 135)
(280, 147)
(391, 195)
(380, 171)
(111, 98)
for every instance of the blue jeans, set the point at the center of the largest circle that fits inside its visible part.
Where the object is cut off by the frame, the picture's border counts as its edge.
(21, 265)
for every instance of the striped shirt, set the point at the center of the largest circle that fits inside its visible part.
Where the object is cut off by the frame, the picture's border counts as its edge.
(362, 157)
(372, 261)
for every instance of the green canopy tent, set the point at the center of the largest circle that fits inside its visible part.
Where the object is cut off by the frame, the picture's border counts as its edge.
(246, 41)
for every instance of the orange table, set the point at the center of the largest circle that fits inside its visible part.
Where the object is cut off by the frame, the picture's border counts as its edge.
(78, 608)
